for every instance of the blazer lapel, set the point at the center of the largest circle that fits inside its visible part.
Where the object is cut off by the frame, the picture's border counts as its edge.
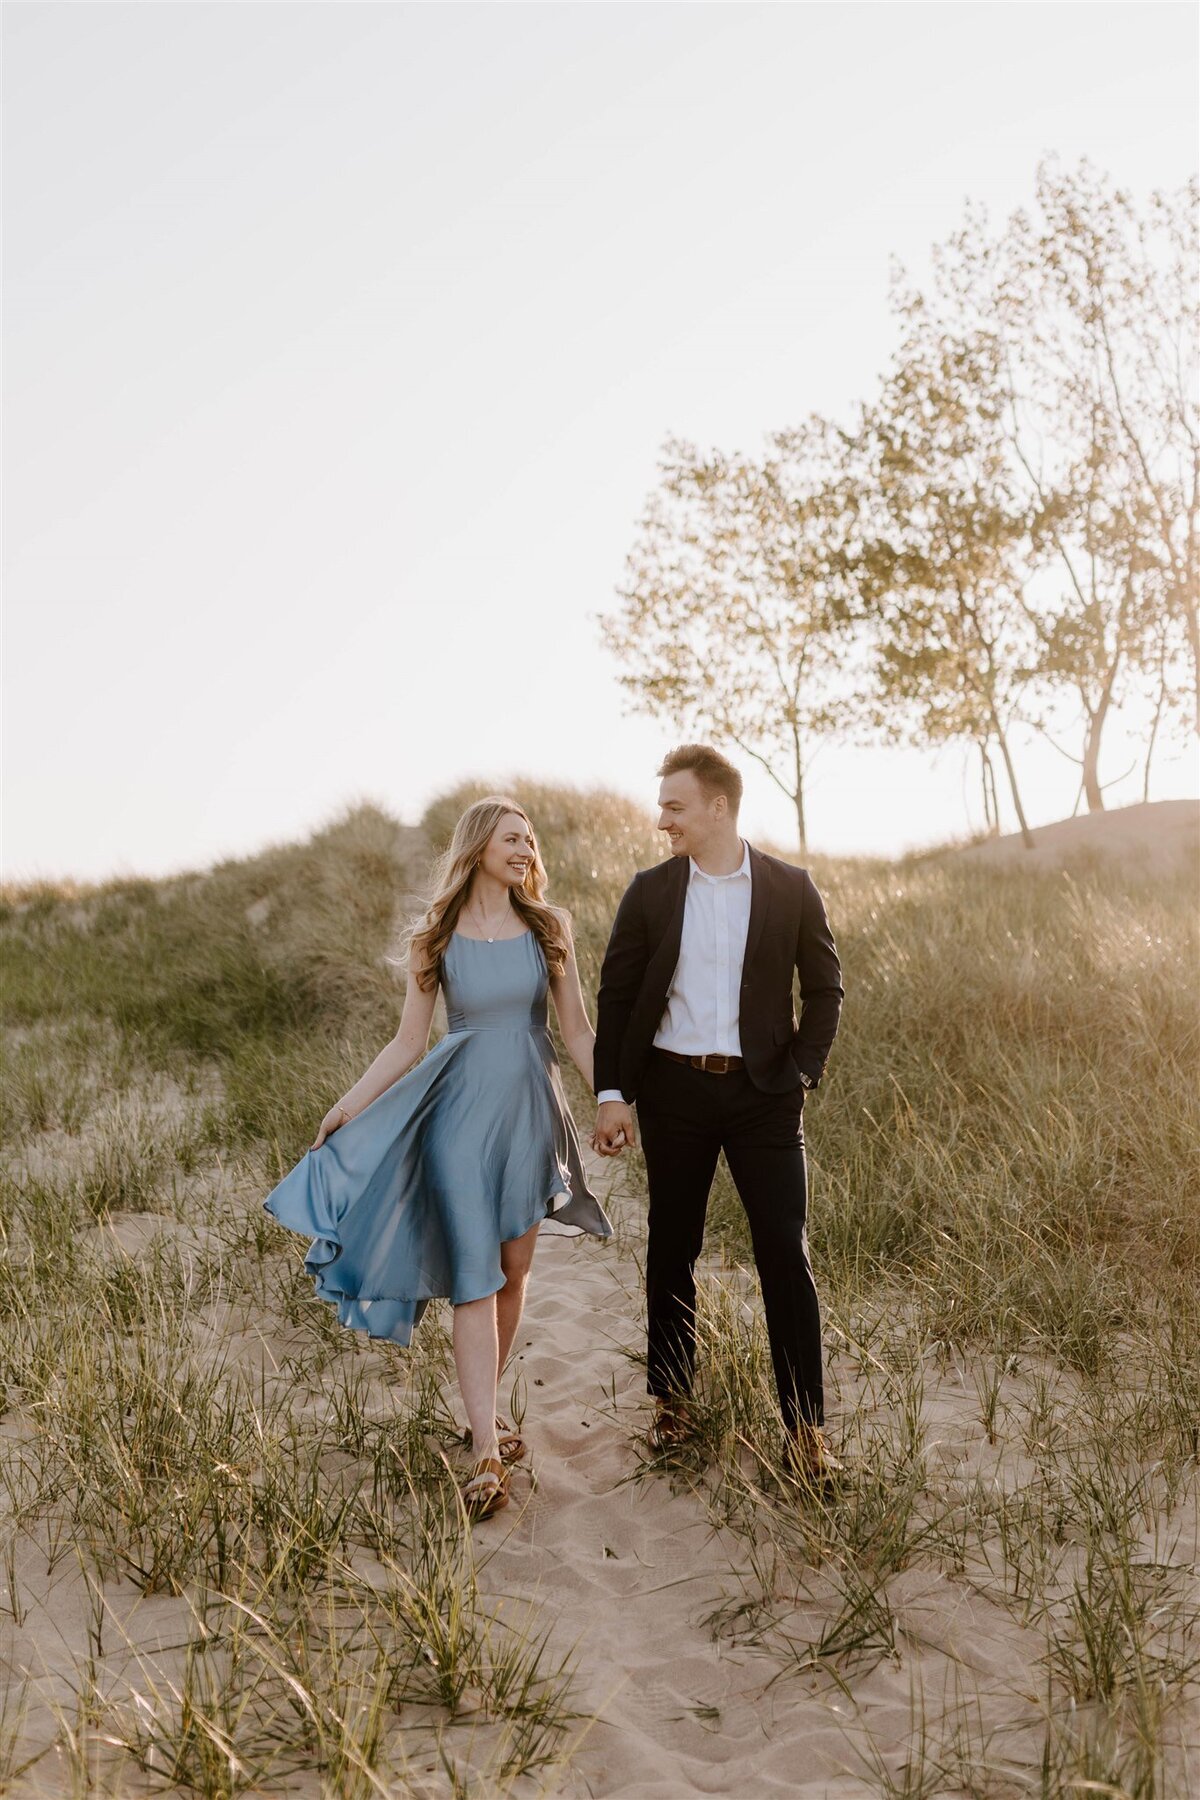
(661, 966)
(760, 895)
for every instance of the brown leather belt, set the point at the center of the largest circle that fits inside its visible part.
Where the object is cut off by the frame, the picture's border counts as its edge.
(712, 1062)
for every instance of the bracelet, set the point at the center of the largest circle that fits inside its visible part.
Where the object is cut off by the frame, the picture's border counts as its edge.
(346, 1114)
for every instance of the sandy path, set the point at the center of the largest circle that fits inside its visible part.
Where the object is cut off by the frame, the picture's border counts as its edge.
(631, 1569)
(630, 1566)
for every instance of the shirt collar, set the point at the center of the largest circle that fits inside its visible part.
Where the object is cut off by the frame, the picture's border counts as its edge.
(694, 870)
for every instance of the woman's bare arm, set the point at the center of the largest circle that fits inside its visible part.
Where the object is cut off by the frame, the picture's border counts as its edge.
(573, 1022)
(394, 1060)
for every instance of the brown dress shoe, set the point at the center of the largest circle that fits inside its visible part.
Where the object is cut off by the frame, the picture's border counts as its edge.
(810, 1460)
(670, 1427)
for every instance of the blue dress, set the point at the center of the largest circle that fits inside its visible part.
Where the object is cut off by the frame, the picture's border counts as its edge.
(413, 1197)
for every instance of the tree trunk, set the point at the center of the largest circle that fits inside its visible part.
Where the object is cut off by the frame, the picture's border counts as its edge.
(1026, 834)
(987, 777)
(798, 796)
(1158, 713)
(1091, 748)
(1093, 792)
(1096, 715)
(1191, 623)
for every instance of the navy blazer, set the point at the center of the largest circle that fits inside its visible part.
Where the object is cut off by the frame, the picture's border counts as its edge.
(788, 931)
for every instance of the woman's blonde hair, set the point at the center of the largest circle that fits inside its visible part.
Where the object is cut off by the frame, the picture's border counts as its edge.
(451, 881)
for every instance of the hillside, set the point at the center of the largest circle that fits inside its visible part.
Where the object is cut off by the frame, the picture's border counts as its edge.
(1158, 837)
(230, 1557)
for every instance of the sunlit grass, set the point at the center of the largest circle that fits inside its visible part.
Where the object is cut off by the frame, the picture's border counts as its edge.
(1007, 1242)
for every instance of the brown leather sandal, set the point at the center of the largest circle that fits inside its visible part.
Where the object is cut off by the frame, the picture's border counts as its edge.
(512, 1445)
(485, 1490)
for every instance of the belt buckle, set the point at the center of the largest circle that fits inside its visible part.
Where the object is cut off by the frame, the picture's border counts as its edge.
(709, 1062)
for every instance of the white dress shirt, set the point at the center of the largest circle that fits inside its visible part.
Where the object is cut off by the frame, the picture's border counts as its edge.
(702, 1008)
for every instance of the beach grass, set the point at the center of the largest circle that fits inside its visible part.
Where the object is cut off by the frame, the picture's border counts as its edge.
(255, 1512)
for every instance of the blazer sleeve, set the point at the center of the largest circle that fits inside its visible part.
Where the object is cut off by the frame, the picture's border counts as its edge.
(821, 992)
(621, 976)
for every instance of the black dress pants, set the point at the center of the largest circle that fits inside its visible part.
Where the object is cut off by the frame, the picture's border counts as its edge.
(687, 1117)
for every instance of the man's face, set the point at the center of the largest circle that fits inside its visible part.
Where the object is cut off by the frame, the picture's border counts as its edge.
(687, 814)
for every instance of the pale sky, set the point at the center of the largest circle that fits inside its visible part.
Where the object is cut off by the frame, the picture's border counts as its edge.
(341, 342)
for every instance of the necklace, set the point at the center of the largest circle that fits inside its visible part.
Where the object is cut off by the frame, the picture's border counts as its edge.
(490, 936)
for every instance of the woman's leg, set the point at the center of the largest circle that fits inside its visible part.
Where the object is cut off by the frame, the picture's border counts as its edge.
(515, 1259)
(477, 1360)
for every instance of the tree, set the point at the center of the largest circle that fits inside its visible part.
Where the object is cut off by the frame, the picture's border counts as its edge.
(1091, 309)
(945, 550)
(734, 616)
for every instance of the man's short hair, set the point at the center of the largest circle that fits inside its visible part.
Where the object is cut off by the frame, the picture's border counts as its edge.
(715, 773)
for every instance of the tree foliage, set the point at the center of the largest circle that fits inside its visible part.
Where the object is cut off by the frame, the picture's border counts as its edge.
(1090, 308)
(945, 557)
(735, 608)
(1008, 535)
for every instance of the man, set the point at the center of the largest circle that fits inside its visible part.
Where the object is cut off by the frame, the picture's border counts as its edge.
(695, 1022)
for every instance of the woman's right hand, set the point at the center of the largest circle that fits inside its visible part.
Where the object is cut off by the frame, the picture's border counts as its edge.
(336, 1117)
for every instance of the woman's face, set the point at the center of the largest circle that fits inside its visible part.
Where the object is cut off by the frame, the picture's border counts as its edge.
(509, 852)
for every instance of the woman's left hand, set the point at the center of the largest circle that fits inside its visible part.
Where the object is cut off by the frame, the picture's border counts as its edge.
(336, 1117)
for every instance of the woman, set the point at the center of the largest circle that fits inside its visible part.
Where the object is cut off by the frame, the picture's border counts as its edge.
(435, 1182)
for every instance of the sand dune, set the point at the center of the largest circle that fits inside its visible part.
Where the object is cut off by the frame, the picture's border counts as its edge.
(626, 1567)
(1157, 835)
(694, 1649)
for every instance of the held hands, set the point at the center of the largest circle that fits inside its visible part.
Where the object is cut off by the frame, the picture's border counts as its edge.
(614, 1128)
(335, 1117)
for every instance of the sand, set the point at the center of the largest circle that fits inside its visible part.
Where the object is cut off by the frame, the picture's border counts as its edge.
(633, 1569)
(1158, 835)
(628, 1571)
